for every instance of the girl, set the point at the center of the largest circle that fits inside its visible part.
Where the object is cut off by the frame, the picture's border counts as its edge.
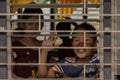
(83, 55)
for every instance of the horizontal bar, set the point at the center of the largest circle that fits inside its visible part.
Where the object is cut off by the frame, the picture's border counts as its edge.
(51, 79)
(49, 64)
(53, 5)
(58, 47)
(55, 31)
(52, 20)
(60, 35)
(11, 14)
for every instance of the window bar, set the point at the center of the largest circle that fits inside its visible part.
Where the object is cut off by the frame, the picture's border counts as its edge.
(114, 23)
(101, 46)
(115, 37)
(101, 43)
(84, 36)
(8, 42)
(85, 10)
(84, 71)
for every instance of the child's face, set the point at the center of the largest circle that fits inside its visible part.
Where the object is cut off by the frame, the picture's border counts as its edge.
(80, 41)
(31, 25)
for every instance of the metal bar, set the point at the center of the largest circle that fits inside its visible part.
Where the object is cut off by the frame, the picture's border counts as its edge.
(52, 20)
(50, 64)
(99, 31)
(8, 42)
(57, 47)
(4, 14)
(52, 5)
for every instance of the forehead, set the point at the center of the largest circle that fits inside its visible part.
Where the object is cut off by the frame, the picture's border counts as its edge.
(82, 33)
(33, 19)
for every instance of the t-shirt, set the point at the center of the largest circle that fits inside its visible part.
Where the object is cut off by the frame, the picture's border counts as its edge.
(77, 70)
(24, 56)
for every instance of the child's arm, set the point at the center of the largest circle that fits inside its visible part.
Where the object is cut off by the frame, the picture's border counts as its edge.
(56, 74)
(42, 69)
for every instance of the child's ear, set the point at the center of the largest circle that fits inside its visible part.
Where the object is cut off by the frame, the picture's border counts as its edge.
(96, 43)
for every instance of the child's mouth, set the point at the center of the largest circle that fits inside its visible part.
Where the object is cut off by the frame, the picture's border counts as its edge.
(81, 50)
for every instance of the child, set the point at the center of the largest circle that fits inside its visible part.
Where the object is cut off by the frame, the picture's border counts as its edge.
(66, 41)
(26, 55)
(83, 55)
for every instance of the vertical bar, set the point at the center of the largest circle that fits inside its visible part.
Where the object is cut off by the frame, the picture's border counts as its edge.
(115, 42)
(84, 36)
(114, 66)
(8, 40)
(101, 42)
(84, 72)
(118, 38)
(85, 10)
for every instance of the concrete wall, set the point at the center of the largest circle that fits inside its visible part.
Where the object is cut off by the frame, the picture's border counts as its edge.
(3, 41)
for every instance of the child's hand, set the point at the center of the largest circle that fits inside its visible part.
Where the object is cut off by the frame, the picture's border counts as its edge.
(60, 75)
(49, 43)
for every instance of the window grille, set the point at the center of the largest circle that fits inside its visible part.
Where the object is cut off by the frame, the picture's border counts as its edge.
(103, 14)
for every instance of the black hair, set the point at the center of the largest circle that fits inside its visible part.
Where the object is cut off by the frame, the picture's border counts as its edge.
(31, 11)
(67, 42)
(87, 26)
(65, 25)
(19, 28)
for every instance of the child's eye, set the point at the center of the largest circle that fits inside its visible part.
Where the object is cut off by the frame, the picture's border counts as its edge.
(89, 40)
(76, 39)
(30, 23)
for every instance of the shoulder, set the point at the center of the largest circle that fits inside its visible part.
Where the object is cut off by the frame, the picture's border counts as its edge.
(94, 59)
(65, 60)
(17, 43)
(68, 60)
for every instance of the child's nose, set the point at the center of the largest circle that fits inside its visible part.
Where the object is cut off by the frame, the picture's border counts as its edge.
(81, 43)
